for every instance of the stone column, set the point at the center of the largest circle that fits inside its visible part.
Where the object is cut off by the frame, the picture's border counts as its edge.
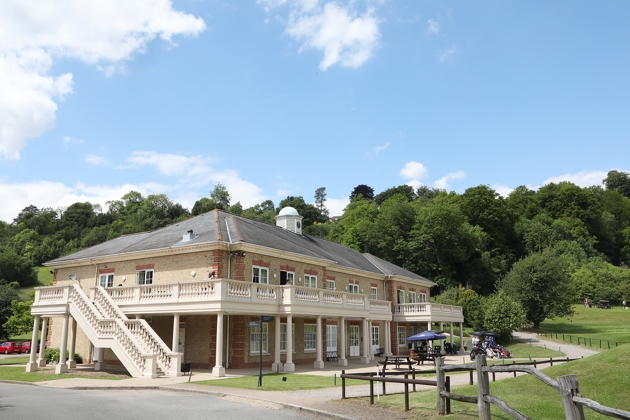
(99, 358)
(73, 343)
(452, 339)
(218, 369)
(342, 361)
(289, 366)
(461, 338)
(62, 367)
(277, 363)
(42, 343)
(442, 341)
(365, 355)
(31, 366)
(319, 363)
(175, 346)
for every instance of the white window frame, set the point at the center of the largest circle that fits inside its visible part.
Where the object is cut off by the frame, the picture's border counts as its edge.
(412, 297)
(330, 285)
(283, 337)
(423, 297)
(353, 288)
(402, 336)
(310, 281)
(106, 280)
(147, 276)
(260, 275)
(254, 339)
(290, 277)
(374, 293)
(401, 296)
(310, 337)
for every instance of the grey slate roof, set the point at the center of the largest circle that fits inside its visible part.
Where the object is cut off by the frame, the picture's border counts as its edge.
(218, 226)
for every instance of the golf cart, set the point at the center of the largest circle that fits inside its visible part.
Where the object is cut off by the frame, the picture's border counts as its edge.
(603, 304)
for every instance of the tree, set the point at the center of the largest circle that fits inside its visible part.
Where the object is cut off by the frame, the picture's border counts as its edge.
(355, 228)
(21, 321)
(320, 200)
(220, 196)
(310, 213)
(618, 181)
(264, 212)
(542, 286)
(428, 193)
(14, 267)
(362, 190)
(404, 190)
(7, 295)
(503, 314)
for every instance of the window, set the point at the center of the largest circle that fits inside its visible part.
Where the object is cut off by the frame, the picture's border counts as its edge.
(310, 337)
(330, 285)
(423, 297)
(401, 296)
(106, 280)
(310, 281)
(144, 277)
(260, 275)
(283, 337)
(287, 277)
(412, 297)
(353, 288)
(374, 294)
(402, 336)
(254, 338)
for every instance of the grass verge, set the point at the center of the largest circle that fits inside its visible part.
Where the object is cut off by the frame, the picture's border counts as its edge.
(274, 382)
(10, 373)
(14, 361)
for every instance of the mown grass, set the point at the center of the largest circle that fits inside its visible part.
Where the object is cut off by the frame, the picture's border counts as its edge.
(524, 350)
(14, 361)
(605, 324)
(10, 373)
(604, 378)
(274, 382)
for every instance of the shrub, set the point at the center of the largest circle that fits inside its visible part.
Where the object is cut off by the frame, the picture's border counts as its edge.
(52, 356)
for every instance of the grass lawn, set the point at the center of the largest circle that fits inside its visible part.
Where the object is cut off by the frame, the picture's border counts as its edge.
(524, 350)
(606, 324)
(14, 361)
(274, 382)
(10, 373)
(604, 378)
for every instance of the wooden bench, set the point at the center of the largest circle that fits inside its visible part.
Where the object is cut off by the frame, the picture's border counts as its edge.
(379, 352)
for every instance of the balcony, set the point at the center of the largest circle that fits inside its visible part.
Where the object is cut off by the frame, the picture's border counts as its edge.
(232, 297)
(427, 312)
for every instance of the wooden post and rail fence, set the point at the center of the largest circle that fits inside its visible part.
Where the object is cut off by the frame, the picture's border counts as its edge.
(580, 341)
(567, 387)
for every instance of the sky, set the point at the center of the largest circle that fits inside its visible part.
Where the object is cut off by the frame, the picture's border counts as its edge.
(273, 98)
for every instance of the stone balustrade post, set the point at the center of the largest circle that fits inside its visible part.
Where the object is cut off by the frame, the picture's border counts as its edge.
(176, 364)
(150, 367)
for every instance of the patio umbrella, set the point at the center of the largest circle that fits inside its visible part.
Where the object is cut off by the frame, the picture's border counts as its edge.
(426, 336)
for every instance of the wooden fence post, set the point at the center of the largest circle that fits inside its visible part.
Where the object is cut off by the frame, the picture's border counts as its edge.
(406, 393)
(448, 400)
(343, 385)
(483, 388)
(568, 388)
(441, 406)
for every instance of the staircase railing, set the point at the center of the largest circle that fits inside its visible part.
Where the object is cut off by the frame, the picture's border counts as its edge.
(168, 361)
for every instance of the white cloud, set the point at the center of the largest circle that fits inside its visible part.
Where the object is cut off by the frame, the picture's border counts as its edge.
(344, 36)
(443, 183)
(283, 193)
(414, 170)
(335, 206)
(67, 141)
(415, 184)
(582, 178)
(379, 149)
(447, 53)
(95, 160)
(433, 28)
(36, 32)
(502, 189)
(195, 171)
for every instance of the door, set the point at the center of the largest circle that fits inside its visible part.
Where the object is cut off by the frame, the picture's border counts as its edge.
(182, 338)
(331, 338)
(375, 340)
(353, 340)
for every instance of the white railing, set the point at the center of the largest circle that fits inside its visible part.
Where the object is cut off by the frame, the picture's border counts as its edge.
(428, 309)
(167, 360)
(380, 305)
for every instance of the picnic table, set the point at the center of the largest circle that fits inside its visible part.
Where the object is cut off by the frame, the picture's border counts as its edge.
(425, 355)
(397, 360)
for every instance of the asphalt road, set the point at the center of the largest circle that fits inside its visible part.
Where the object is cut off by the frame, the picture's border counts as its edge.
(30, 402)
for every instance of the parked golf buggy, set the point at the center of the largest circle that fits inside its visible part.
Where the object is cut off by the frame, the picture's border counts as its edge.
(484, 342)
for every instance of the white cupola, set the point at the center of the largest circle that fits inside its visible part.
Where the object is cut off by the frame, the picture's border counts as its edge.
(290, 219)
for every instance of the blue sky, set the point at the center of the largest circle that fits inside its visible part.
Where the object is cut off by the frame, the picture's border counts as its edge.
(280, 97)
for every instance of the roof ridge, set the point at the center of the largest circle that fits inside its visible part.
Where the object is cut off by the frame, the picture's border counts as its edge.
(371, 259)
